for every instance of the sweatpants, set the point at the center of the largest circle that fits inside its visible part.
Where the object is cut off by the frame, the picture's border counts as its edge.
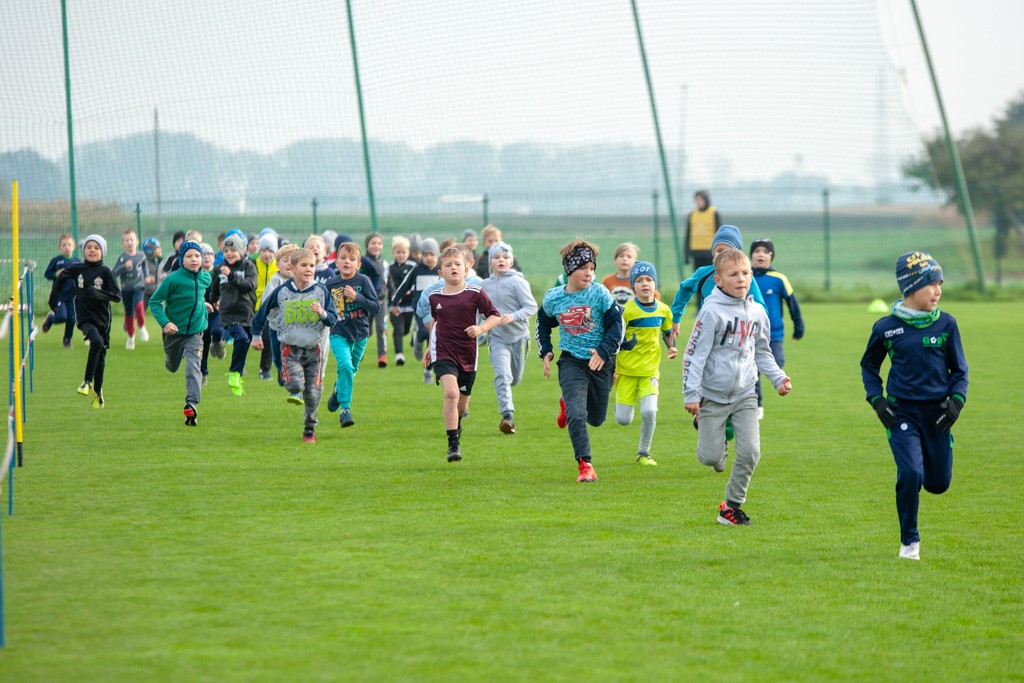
(400, 324)
(96, 363)
(189, 348)
(239, 346)
(211, 335)
(348, 355)
(275, 353)
(780, 360)
(509, 362)
(267, 354)
(65, 313)
(586, 398)
(379, 327)
(924, 457)
(711, 436)
(302, 375)
(134, 309)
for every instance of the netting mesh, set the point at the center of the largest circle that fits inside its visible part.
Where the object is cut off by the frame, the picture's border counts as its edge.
(532, 114)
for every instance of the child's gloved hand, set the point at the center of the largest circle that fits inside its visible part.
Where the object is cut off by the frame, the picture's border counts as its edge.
(952, 407)
(884, 411)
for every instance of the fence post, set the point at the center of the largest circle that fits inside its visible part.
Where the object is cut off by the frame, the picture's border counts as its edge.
(486, 201)
(1001, 230)
(828, 240)
(138, 221)
(657, 248)
(315, 203)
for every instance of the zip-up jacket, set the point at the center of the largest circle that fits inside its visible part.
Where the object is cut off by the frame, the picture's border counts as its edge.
(60, 262)
(95, 288)
(727, 348)
(399, 287)
(510, 293)
(180, 299)
(238, 293)
(264, 273)
(775, 288)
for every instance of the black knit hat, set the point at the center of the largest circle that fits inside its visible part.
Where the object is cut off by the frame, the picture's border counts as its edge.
(763, 242)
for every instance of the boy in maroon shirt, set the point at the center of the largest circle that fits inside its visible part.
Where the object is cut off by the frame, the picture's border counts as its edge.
(452, 352)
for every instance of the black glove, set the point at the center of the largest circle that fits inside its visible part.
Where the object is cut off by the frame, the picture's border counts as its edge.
(884, 411)
(951, 408)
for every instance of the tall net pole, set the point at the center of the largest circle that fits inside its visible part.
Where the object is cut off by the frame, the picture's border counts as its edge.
(362, 116)
(70, 127)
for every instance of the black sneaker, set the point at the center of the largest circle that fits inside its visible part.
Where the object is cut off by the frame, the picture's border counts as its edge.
(265, 374)
(47, 322)
(190, 415)
(454, 453)
(332, 402)
(732, 516)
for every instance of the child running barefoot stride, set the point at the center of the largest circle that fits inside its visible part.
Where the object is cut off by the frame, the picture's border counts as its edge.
(927, 388)
(95, 288)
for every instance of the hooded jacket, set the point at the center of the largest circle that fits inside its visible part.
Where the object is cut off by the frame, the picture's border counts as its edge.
(291, 310)
(180, 299)
(510, 293)
(95, 287)
(238, 293)
(727, 348)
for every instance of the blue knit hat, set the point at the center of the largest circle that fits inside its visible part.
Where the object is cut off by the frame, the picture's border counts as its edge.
(729, 234)
(499, 248)
(916, 269)
(185, 246)
(642, 268)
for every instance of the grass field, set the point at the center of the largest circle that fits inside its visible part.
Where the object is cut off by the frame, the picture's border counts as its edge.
(144, 551)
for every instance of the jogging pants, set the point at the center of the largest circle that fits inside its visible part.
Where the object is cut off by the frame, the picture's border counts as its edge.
(348, 355)
(711, 437)
(586, 399)
(302, 375)
(240, 345)
(189, 348)
(509, 362)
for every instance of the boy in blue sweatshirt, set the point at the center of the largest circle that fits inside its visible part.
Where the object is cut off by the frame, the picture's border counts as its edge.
(302, 309)
(65, 311)
(356, 301)
(775, 289)
(590, 329)
(926, 387)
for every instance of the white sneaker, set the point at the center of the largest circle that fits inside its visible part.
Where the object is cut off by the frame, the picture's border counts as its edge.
(143, 334)
(910, 552)
(760, 412)
(130, 344)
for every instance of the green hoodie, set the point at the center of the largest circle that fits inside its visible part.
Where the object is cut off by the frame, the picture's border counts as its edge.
(179, 299)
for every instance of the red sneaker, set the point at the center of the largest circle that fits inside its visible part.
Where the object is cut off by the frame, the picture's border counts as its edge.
(382, 361)
(563, 421)
(587, 472)
(732, 516)
(309, 436)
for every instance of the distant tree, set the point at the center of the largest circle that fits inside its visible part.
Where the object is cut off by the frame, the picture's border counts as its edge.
(993, 161)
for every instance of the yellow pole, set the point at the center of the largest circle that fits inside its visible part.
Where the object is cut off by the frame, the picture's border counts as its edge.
(16, 319)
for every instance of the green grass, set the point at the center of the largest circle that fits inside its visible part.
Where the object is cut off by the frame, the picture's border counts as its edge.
(144, 551)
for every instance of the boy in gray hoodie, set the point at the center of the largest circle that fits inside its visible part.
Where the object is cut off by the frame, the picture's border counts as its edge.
(510, 293)
(728, 346)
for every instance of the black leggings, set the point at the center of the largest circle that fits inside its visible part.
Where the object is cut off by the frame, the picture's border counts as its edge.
(97, 361)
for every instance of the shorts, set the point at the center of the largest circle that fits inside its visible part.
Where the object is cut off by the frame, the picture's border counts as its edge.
(450, 367)
(629, 388)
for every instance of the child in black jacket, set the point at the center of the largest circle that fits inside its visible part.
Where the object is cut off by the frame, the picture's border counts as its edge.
(95, 287)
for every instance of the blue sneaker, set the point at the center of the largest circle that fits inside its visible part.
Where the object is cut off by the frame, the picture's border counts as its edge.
(332, 402)
(346, 418)
(295, 399)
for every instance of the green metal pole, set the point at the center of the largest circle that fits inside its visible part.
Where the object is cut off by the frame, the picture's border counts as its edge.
(657, 248)
(661, 146)
(486, 203)
(315, 204)
(138, 221)
(958, 169)
(71, 136)
(828, 239)
(362, 117)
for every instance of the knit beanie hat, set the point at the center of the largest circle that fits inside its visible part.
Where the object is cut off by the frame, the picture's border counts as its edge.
(366, 242)
(268, 231)
(499, 248)
(429, 246)
(340, 240)
(236, 242)
(642, 268)
(98, 240)
(916, 269)
(468, 233)
(185, 246)
(329, 236)
(763, 242)
(207, 249)
(268, 241)
(729, 234)
(179, 235)
(414, 241)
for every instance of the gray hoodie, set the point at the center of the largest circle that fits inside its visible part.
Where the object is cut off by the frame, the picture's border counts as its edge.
(290, 309)
(728, 346)
(510, 293)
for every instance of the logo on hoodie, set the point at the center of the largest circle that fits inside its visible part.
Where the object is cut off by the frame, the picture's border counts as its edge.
(744, 328)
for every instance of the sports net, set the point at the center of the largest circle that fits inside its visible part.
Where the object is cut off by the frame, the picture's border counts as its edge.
(531, 115)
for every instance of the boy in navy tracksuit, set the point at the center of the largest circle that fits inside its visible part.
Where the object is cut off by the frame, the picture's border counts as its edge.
(775, 289)
(927, 388)
(65, 311)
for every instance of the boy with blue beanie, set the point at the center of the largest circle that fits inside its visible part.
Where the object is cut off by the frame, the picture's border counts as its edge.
(179, 306)
(702, 282)
(646, 319)
(926, 387)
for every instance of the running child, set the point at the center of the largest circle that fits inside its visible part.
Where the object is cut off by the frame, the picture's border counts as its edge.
(590, 330)
(213, 334)
(237, 303)
(179, 306)
(453, 349)
(638, 369)
(65, 310)
(132, 270)
(266, 267)
(95, 288)
(727, 348)
(399, 294)
(302, 307)
(510, 293)
(379, 322)
(356, 302)
(283, 274)
(926, 387)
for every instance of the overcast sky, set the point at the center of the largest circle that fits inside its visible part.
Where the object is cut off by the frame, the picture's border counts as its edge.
(748, 87)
